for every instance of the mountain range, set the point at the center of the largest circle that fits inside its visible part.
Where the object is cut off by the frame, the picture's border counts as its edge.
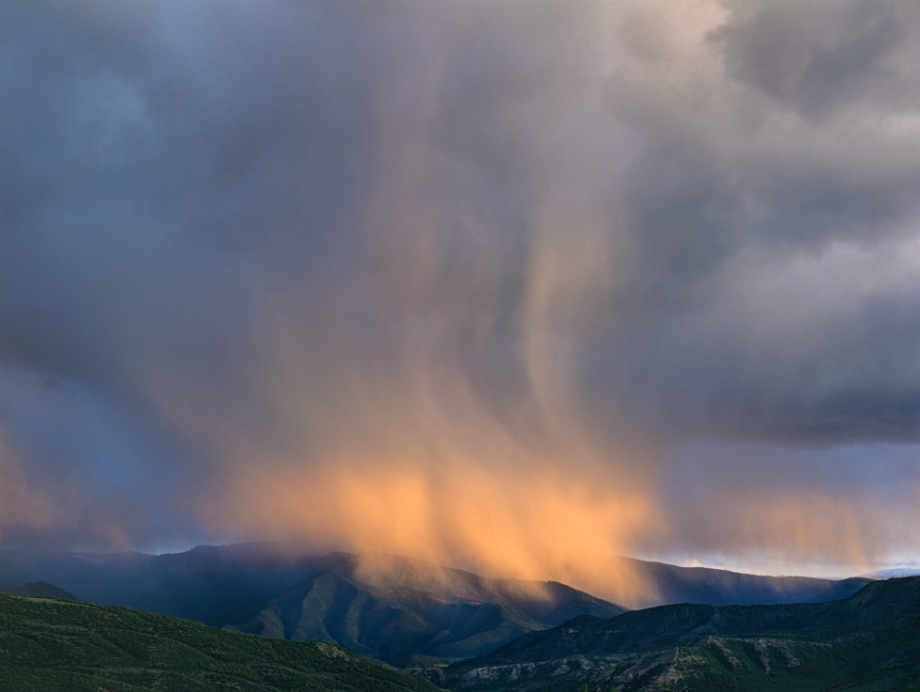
(869, 641)
(669, 584)
(865, 643)
(394, 609)
(458, 630)
(402, 611)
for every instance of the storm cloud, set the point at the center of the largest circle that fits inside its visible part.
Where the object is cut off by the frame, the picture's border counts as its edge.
(462, 272)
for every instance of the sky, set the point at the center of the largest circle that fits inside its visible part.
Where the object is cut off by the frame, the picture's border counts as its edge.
(513, 285)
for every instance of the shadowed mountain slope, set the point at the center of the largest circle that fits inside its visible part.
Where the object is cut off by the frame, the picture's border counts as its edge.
(78, 573)
(57, 646)
(407, 611)
(668, 584)
(213, 586)
(868, 641)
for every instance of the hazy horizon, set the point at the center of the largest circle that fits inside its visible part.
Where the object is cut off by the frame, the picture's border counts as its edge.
(512, 285)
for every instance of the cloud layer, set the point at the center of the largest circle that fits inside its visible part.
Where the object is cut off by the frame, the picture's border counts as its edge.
(429, 277)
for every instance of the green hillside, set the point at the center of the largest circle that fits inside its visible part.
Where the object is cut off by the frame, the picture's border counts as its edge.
(50, 645)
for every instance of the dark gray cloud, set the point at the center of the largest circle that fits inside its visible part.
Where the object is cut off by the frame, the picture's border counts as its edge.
(823, 57)
(288, 234)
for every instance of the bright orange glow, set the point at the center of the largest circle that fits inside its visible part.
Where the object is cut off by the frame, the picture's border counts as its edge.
(539, 525)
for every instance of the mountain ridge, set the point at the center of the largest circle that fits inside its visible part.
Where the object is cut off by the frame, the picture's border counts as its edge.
(673, 584)
(407, 612)
(865, 642)
(90, 575)
(400, 610)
